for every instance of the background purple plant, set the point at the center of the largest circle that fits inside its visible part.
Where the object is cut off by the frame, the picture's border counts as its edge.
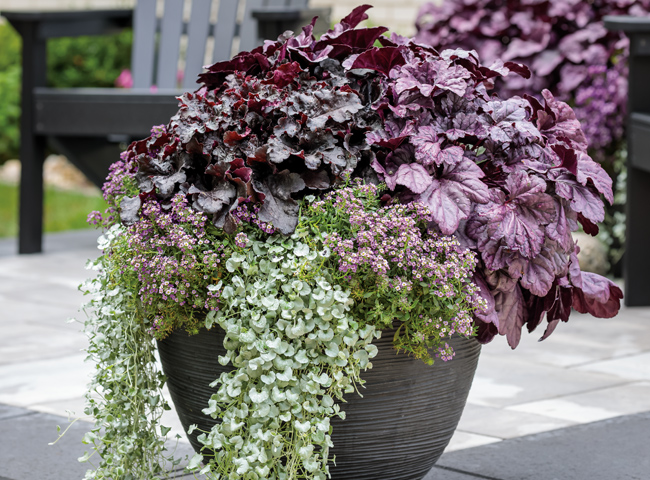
(509, 178)
(570, 53)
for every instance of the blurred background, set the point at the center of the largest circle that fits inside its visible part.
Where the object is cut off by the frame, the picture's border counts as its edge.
(98, 61)
(564, 43)
(398, 16)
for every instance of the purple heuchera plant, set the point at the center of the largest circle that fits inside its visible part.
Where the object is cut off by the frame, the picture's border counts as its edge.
(510, 178)
(564, 42)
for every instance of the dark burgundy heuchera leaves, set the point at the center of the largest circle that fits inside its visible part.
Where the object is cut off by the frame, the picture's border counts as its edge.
(509, 177)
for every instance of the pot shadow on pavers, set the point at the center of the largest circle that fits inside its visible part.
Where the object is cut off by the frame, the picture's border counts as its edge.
(25, 453)
(617, 448)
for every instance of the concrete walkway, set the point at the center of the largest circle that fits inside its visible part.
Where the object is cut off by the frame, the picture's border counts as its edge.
(577, 402)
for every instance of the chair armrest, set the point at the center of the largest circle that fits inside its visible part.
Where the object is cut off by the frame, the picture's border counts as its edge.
(274, 14)
(52, 24)
(627, 23)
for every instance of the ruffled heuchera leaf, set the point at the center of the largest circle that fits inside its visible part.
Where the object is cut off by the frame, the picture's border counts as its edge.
(279, 208)
(563, 126)
(285, 74)
(511, 311)
(488, 314)
(249, 62)
(560, 229)
(588, 170)
(513, 223)
(510, 120)
(427, 145)
(414, 177)
(380, 59)
(582, 199)
(355, 17)
(354, 40)
(450, 156)
(214, 200)
(337, 106)
(450, 197)
(536, 274)
(598, 296)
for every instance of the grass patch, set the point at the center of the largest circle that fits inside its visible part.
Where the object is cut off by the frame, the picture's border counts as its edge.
(64, 210)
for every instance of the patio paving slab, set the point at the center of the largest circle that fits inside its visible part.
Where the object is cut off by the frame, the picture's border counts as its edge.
(26, 455)
(618, 448)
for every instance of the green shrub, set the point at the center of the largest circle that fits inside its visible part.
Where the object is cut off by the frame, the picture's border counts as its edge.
(9, 111)
(71, 62)
(88, 61)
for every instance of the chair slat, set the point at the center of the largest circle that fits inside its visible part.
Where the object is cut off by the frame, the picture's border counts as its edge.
(248, 30)
(170, 38)
(144, 40)
(225, 30)
(196, 41)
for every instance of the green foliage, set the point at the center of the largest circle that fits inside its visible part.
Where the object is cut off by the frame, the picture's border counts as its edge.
(9, 111)
(125, 394)
(71, 62)
(295, 349)
(11, 46)
(88, 61)
(400, 274)
(64, 210)
(298, 328)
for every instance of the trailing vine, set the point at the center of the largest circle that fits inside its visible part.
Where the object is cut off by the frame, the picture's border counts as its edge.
(299, 315)
(125, 395)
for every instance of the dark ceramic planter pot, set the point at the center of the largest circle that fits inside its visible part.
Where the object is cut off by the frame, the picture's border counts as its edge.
(397, 431)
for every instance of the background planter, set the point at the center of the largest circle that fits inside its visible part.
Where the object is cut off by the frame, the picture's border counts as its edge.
(397, 431)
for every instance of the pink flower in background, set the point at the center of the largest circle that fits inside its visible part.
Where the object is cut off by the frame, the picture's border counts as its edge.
(125, 79)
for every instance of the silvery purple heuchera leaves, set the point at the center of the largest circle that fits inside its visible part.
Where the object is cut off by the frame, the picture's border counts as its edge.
(564, 42)
(510, 178)
(570, 53)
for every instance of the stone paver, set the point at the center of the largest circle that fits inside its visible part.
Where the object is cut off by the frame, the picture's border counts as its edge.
(614, 449)
(26, 453)
(588, 370)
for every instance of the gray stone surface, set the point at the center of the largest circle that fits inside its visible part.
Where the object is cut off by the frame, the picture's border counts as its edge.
(56, 242)
(7, 411)
(439, 473)
(615, 449)
(26, 455)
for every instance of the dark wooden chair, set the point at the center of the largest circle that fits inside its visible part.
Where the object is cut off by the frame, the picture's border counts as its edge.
(91, 126)
(636, 259)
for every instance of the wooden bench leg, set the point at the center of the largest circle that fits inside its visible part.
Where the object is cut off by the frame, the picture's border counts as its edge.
(30, 223)
(32, 146)
(636, 261)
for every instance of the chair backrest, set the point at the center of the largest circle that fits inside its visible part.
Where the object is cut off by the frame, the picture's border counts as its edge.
(157, 41)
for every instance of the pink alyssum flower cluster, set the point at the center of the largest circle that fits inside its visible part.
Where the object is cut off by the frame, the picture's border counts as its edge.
(248, 212)
(394, 243)
(173, 260)
(389, 254)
